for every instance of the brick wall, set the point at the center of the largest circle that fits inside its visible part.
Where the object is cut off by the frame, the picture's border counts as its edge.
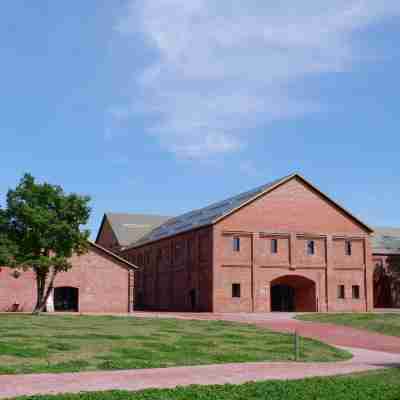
(19, 290)
(174, 272)
(293, 214)
(106, 237)
(102, 282)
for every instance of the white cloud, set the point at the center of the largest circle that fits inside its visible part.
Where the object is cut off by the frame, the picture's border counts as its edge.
(221, 68)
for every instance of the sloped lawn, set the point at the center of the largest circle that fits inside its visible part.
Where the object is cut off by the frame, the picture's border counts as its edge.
(60, 343)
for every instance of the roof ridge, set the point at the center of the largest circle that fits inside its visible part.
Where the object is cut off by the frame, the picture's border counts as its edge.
(112, 254)
(207, 215)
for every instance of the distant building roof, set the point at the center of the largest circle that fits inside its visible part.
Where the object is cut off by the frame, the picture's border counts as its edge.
(386, 240)
(128, 228)
(216, 211)
(113, 255)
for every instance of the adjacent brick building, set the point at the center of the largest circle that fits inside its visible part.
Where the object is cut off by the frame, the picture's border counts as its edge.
(119, 230)
(284, 246)
(386, 260)
(99, 281)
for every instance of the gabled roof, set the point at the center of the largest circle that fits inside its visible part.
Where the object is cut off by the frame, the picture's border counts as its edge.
(113, 255)
(386, 240)
(128, 228)
(220, 210)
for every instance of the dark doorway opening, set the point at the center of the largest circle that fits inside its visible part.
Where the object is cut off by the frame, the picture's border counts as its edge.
(192, 298)
(293, 293)
(66, 299)
(282, 298)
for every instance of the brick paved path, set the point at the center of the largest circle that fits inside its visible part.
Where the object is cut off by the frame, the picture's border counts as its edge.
(337, 335)
(18, 385)
(284, 322)
(371, 351)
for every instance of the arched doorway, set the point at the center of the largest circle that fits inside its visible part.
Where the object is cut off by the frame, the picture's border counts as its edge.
(293, 293)
(66, 298)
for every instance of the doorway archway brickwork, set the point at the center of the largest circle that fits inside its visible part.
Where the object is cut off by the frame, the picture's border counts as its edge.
(293, 293)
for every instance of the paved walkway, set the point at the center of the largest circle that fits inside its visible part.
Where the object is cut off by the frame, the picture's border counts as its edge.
(371, 351)
(19, 385)
(284, 322)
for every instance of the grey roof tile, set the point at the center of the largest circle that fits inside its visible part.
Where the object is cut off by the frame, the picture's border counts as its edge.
(128, 228)
(203, 216)
(386, 240)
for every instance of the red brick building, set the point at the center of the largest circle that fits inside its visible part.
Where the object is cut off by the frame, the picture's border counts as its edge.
(284, 246)
(99, 281)
(386, 260)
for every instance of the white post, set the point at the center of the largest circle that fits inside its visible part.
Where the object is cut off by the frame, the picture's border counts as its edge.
(50, 302)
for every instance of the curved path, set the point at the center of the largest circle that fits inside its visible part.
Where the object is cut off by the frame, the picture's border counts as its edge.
(371, 351)
(19, 385)
(284, 322)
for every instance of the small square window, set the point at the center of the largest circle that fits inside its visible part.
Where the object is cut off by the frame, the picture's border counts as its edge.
(274, 246)
(356, 291)
(348, 247)
(236, 243)
(235, 289)
(310, 247)
(341, 292)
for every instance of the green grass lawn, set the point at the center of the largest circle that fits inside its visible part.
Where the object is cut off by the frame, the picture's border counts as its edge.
(382, 385)
(60, 343)
(388, 324)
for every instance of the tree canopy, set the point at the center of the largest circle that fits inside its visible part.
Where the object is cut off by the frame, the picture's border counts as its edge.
(40, 229)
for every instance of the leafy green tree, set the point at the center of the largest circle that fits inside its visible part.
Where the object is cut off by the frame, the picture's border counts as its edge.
(40, 229)
(7, 248)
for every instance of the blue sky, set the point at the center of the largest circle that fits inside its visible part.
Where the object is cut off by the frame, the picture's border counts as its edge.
(163, 106)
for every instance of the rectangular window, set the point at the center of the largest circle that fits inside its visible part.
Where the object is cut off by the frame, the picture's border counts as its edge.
(348, 247)
(274, 246)
(356, 291)
(190, 249)
(204, 247)
(178, 253)
(236, 243)
(159, 257)
(167, 254)
(235, 289)
(310, 247)
(340, 292)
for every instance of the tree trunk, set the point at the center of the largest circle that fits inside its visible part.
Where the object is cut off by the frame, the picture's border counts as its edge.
(43, 293)
(40, 284)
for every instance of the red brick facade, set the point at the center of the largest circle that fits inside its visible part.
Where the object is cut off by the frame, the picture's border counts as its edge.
(200, 269)
(176, 273)
(104, 284)
(289, 249)
(106, 237)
